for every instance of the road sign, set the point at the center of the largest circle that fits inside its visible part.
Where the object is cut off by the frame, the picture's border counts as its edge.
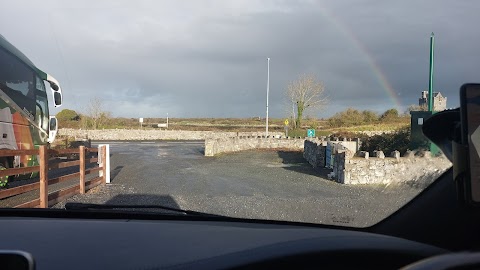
(140, 120)
(310, 133)
(286, 122)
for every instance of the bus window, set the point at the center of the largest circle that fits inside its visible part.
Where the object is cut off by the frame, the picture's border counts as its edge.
(17, 81)
(41, 115)
(40, 84)
(16, 75)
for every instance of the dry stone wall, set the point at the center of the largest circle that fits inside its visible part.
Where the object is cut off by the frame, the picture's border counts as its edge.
(228, 145)
(315, 151)
(136, 134)
(371, 133)
(418, 170)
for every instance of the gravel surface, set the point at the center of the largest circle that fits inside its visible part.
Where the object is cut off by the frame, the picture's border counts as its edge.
(275, 185)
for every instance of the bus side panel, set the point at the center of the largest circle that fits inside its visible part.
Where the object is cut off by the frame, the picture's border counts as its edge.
(23, 138)
(7, 134)
(15, 134)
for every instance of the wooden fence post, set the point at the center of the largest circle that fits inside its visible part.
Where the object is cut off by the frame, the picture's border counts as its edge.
(104, 163)
(82, 169)
(43, 156)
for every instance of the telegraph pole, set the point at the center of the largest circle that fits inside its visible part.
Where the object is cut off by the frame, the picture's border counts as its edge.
(268, 90)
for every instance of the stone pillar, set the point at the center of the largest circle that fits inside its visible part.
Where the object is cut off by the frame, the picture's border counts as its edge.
(409, 154)
(396, 154)
(364, 154)
(379, 154)
(427, 154)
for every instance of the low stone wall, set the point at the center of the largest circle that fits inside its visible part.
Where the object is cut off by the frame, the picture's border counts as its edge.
(136, 134)
(417, 170)
(371, 133)
(314, 153)
(315, 150)
(227, 145)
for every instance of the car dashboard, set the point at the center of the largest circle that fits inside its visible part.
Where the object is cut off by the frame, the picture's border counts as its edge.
(58, 243)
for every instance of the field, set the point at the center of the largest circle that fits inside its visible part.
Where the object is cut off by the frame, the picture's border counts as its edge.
(321, 126)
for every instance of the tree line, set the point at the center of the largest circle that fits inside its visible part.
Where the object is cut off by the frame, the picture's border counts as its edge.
(94, 117)
(354, 117)
(308, 93)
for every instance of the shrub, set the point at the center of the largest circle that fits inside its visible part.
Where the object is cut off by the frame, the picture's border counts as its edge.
(68, 115)
(399, 140)
(388, 115)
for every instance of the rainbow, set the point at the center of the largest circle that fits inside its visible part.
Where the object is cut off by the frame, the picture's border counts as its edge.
(377, 72)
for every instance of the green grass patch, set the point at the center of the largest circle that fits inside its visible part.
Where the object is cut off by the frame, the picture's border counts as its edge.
(373, 127)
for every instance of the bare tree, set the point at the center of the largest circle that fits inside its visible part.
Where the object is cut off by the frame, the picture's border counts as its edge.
(306, 93)
(96, 114)
(84, 121)
(289, 110)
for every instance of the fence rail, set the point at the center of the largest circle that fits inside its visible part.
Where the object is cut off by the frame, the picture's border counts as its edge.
(47, 199)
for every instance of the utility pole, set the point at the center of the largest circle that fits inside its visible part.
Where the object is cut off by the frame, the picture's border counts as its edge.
(268, 89)
(167, 120)
(430, 81)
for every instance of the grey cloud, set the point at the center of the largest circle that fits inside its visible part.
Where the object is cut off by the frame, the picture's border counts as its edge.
(208, 59)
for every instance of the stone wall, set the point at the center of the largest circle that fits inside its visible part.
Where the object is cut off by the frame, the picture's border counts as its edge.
(419, 169)
(371, 133)
(314, 153)
(136, 134)
(227, 145)
(315, 150)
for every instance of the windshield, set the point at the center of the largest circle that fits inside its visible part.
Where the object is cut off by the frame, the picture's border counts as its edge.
(308, 111)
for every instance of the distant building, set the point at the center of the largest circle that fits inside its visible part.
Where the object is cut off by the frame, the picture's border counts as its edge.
(439, 101)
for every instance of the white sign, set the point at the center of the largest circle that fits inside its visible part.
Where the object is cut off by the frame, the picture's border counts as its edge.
(420, 121)
(140, 120)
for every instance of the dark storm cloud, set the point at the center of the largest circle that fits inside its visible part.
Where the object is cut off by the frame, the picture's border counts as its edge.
(208, 58)
(398, 39)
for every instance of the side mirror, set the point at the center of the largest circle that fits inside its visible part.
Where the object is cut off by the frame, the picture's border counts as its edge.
(52, 130)
(470, 130)
(56, 91)
(57, 99)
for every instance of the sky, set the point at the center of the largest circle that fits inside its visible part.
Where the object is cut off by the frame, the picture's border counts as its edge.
(209, 58)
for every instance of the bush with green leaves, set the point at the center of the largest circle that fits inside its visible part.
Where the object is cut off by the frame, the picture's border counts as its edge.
(389, 115)
(398, 140)
(352, 117)
(68, 115)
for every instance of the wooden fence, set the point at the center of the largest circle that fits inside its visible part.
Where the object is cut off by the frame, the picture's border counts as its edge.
(47, 199)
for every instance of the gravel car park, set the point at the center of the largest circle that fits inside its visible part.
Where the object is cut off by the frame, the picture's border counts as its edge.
(277, 185)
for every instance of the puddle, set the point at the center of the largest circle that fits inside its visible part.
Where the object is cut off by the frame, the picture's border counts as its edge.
(282, 165)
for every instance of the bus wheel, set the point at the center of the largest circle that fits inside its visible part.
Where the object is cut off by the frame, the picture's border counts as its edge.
(3, 166)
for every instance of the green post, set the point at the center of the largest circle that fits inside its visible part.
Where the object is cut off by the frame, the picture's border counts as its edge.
(433, 148)
(430, 81)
